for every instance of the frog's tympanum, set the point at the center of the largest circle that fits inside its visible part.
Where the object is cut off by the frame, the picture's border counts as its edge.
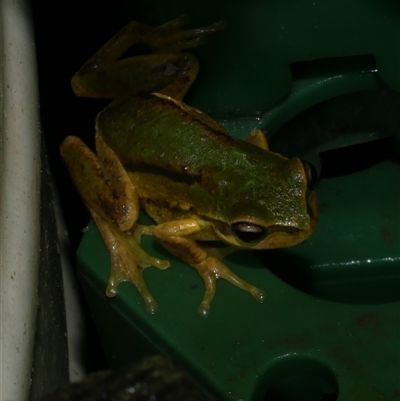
(156, 153)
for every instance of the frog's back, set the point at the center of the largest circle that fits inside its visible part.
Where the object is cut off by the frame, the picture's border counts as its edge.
(158, 131)
(177, 156)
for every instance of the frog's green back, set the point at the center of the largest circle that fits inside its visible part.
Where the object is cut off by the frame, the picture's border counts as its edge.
(193, 157)
(151, 131)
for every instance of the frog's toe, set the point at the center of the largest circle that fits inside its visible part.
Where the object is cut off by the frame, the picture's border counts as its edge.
(145, 260)
(174, 24)
(210, 270)
(150, 303)
(258, 294)
(162, 264)
(204, 309)
(130, 272)
(174, 40)
(209, 278)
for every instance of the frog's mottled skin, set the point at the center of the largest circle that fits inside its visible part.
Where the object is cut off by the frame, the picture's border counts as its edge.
(195, 181)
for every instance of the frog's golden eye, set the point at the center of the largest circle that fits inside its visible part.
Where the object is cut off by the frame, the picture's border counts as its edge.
(248, 232)
(311, 174)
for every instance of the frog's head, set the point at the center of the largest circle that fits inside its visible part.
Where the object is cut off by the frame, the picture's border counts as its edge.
(280, 211)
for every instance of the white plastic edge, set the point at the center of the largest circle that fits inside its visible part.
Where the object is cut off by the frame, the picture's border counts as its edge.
(19, 198)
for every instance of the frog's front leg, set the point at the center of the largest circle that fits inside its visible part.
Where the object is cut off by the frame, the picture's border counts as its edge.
(166, 70)
(179, 237)
(113, 203)
(258, 138)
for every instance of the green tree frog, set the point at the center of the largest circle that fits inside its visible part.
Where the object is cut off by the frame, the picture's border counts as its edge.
(156, 153)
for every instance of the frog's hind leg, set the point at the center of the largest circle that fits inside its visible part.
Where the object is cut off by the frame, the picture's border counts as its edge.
(101, 181)
(166, 70)
(113, 203)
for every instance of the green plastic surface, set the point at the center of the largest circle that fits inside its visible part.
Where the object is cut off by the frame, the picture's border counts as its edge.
(316, 75)
(243, 346)
(249, 68)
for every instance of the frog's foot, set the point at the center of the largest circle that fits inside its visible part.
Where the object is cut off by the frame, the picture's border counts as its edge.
(169, 37)
(210, 270)
(128, 260)
(179, 237)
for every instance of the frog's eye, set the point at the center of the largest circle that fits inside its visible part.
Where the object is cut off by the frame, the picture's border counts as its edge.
(311, 174)
(248, 232)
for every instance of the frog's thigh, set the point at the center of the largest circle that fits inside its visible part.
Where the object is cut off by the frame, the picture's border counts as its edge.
(258, 138)
(176, 236)
(102, 182)
(171, 74)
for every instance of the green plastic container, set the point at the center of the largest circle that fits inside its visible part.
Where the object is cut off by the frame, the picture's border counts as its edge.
(322, 78)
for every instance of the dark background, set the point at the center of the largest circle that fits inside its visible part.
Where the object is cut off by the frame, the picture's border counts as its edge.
(66, 34)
